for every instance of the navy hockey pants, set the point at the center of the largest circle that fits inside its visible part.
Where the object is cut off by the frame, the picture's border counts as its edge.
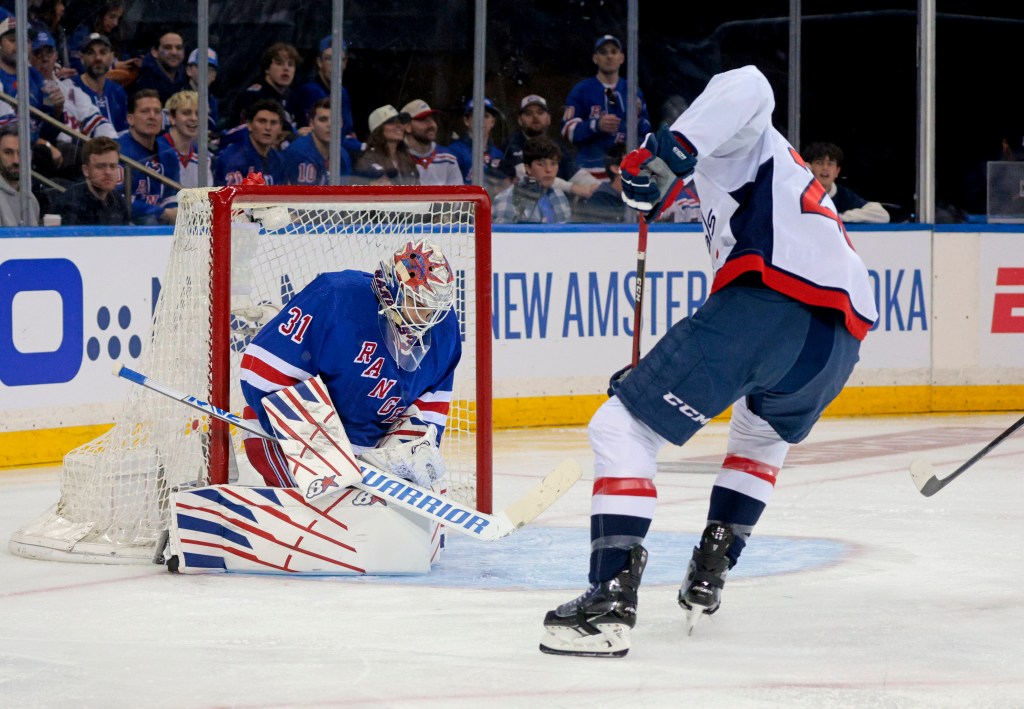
(789, 359)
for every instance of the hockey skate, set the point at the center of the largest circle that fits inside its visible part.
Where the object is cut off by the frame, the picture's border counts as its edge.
(701, 592)
(598, 623)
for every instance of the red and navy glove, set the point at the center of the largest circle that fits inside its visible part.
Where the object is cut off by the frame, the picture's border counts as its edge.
(652, 174)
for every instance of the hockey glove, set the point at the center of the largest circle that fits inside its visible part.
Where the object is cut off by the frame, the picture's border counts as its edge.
(651, 172)
(417, 460)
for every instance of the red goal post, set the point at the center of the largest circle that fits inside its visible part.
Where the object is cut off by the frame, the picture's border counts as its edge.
(223, 202)
(239, 253)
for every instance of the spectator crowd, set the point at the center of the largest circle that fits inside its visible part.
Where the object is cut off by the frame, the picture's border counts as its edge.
(146, 108)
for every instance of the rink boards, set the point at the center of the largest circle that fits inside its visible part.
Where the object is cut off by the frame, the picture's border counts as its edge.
(950, 334)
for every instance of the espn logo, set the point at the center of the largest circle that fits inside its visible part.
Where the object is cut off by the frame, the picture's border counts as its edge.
(1008, 308)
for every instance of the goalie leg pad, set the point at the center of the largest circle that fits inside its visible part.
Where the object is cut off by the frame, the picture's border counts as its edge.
(272, 530)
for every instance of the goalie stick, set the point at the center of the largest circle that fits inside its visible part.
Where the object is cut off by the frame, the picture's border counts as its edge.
(923, 476)
(426, 503)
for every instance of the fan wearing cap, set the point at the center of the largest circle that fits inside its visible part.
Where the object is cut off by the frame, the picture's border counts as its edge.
(319, 87)
(595, 110)
(75, 106)
(463, 148)
(9, 68)
(387, 160)
(437, 166)
(385, 344)
(535, 121)
(192, 75)
(48, 16)
(97, 57)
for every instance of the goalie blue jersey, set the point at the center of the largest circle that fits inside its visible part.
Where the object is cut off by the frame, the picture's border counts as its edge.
(332, 328)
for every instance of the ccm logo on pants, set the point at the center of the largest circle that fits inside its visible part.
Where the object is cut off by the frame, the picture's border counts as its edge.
(686, 409)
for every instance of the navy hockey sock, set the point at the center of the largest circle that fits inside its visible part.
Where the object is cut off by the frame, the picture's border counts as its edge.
(612, 537)
(737, 511)
(620, 515)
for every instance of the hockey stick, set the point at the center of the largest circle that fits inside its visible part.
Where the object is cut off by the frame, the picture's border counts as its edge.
(638, 297)
(426, 503)
(921, 470)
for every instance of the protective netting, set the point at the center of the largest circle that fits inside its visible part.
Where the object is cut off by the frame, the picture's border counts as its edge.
(114, 489)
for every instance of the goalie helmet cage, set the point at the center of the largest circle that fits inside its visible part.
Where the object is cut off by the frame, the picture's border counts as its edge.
(239, 253)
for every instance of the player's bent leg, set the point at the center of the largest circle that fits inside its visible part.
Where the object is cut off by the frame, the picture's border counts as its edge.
(624, 496)
(741, 492)
(598, 622)
(266, 456)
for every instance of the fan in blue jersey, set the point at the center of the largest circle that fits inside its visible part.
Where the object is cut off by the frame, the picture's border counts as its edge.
(109, 97)
(257, 152)
(385, 344)
(307, 159)
(153, 202)
(777, 340)
(595, 109)
(9, 77)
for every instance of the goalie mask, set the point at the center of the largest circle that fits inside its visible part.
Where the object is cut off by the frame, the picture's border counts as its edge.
(416, 289)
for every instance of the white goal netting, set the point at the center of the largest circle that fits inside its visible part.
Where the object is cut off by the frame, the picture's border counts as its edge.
(114, 489)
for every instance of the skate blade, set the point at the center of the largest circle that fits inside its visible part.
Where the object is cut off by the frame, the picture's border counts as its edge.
(612, 641)
(694, 612)
(693, 616)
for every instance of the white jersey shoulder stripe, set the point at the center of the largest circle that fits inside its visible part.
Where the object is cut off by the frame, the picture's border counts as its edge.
(435, 396)
(272, 360)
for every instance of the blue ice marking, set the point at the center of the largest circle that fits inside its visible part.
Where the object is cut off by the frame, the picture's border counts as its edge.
(542, 558)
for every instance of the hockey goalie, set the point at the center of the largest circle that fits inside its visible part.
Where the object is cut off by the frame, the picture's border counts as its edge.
(364, 358)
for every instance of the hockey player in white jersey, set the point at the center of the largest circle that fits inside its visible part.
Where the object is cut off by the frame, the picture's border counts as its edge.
(777, 339)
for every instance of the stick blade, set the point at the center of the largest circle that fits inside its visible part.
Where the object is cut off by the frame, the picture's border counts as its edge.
(922, 474)
(552, 487)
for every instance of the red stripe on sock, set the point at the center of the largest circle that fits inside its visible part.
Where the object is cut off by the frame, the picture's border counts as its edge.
(637, 487)
(765, 472)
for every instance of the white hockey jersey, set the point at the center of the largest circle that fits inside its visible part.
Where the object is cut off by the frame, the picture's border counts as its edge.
(81, 113)
(763, 210)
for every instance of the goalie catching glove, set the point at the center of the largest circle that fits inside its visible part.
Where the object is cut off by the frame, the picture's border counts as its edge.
(652, 174)
(418, 460)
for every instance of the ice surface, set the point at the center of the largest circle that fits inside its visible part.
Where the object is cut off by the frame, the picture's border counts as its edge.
(855, 591)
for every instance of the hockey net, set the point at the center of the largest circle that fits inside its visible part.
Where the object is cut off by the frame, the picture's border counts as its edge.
(239, 254)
